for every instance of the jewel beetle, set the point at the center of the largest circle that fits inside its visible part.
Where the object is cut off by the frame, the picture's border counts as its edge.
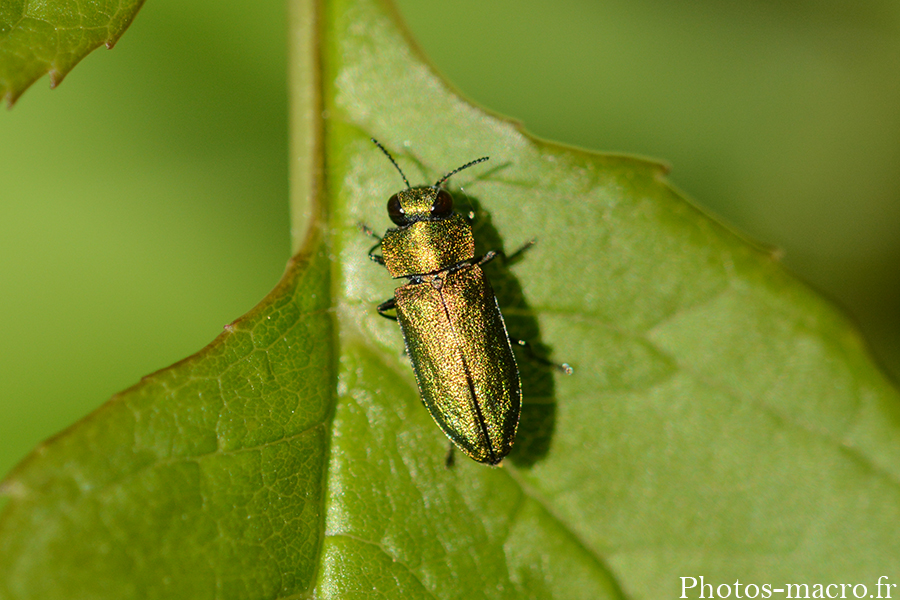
(455, 335)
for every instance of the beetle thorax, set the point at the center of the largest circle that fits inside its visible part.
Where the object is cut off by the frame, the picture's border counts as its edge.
(427, 246)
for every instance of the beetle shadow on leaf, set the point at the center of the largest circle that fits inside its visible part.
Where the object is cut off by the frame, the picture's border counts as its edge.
(538, 417)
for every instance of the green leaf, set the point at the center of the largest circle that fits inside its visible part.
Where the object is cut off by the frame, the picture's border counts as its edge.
(723, 421)
(52, 37)
(205, 476)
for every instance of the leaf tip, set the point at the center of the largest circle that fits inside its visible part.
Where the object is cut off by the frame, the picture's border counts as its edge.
(56, 77)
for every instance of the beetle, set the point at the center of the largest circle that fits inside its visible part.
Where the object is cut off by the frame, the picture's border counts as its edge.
(451, 323)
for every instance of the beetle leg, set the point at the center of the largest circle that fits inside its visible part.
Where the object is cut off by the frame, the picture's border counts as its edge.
(488, 257)
(562, 367)
(368, 231)
(468, 264)
(386, 306)
(511, 258)
(507, 258)
(376, 258)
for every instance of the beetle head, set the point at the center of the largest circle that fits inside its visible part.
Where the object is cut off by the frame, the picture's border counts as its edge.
(421, 203)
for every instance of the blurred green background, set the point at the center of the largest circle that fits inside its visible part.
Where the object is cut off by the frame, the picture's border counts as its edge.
(145, 200)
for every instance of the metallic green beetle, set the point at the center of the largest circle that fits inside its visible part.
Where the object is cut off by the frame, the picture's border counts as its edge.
(454, 332)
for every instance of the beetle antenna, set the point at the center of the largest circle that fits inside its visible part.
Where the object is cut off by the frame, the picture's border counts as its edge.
(394, 162)
(455, 171)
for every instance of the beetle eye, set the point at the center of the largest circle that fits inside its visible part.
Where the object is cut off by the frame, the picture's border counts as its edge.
(443, 204)
(395, 210)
